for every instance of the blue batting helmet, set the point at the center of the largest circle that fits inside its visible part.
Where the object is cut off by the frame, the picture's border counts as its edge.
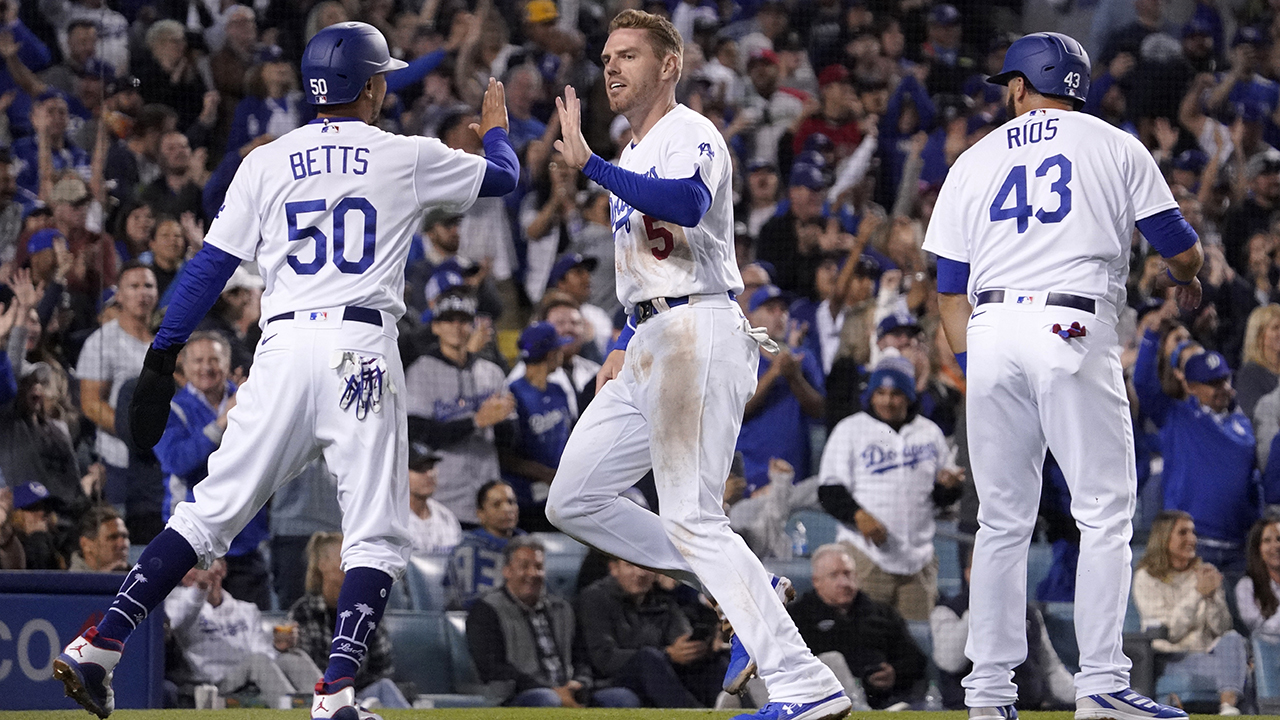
(340, 59)
(1053, 63)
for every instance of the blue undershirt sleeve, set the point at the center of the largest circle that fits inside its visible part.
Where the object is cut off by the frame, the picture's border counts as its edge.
(1168, 232)
(680, 201)
(953, 276)
(398, 80)
(502, 169)
(198, 287)
(624, 337)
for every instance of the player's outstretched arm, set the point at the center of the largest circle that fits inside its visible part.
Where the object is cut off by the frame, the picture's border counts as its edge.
(502, 167)
(198, 288)
(681, 201)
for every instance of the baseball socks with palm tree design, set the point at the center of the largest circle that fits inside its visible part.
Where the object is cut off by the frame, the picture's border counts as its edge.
(360, 606)
(162, 566)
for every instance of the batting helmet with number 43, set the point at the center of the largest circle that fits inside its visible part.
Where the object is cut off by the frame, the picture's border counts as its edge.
(1053, 63)
(340, 59)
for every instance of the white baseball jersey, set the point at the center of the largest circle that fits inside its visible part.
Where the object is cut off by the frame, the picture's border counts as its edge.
(1048, 201)
(301, 207)
(890, 474)
(655, 258)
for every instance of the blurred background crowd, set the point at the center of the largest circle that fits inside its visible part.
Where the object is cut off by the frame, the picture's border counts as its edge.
(122, 123)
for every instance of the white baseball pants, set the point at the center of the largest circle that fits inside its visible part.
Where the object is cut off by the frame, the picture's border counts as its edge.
(286, 415)
(1028, 390)
(677, 407)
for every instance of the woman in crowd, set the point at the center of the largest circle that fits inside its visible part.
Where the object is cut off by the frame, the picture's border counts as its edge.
(1260, 369)
(1258, 592)
(316, 615)
(1174, 589)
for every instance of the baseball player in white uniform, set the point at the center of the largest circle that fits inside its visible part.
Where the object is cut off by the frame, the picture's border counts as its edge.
(1032, 231)
(328, 212)
(671, 397)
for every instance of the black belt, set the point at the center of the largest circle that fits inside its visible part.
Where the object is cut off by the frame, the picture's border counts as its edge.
(1085, 304)
(351, 312)
(645, 309)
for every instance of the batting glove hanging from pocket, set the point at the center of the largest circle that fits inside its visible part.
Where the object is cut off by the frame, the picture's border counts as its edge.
(365, 379)
(1066, 333)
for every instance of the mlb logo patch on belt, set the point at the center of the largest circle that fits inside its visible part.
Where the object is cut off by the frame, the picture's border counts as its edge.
(318, 316)
(1026, 300)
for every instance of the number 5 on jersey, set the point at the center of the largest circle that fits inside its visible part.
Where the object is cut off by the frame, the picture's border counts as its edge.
(1016, 184)
(666, 241)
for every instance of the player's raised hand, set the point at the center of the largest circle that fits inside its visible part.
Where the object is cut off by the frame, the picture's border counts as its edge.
(572, 145)
(493, 111)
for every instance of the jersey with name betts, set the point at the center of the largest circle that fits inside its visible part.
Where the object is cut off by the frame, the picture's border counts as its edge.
(329, 210)
(1048, 201)
(655, 258)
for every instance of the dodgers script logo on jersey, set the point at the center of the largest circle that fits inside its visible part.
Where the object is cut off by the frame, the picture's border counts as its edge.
(878, 459)
(621, 211)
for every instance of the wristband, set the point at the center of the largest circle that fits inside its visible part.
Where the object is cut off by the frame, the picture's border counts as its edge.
(1176, 281)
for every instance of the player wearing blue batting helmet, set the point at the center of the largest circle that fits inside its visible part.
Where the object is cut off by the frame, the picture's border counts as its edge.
(1052, 63)
(340, 59)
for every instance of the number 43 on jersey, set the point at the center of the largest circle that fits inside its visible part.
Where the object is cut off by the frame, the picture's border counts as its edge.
(1016, 185)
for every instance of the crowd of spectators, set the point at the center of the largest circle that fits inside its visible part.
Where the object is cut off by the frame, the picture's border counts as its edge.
(122, 123)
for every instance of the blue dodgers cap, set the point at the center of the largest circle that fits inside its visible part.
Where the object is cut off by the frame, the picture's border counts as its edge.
(1207, 367)
(1197, 26)
(819, 142)
(894, 372)
(897, 321)
(42, 240)
(538, 340)
(442, 282)
(1249, 35)
(944, 14)
(765, 293)
(1193, 160)
(27, 495)
(808, 176)
(269, 54)
(567, 262)
(811, 157)
(757, 165)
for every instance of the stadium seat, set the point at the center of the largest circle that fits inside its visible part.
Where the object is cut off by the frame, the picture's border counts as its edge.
(1266, 661)
(1060, 623)
(1039, 558)
(424, 582)
(421, 646)
(796, 570)
(421, 650)
(563, 560)
(819, 527)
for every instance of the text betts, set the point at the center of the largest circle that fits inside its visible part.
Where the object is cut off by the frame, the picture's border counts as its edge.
(329, 159)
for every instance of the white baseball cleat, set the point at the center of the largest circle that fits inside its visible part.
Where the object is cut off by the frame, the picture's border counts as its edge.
(85, 668)
(337, 700)
(1124, 705)
(832, 707)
